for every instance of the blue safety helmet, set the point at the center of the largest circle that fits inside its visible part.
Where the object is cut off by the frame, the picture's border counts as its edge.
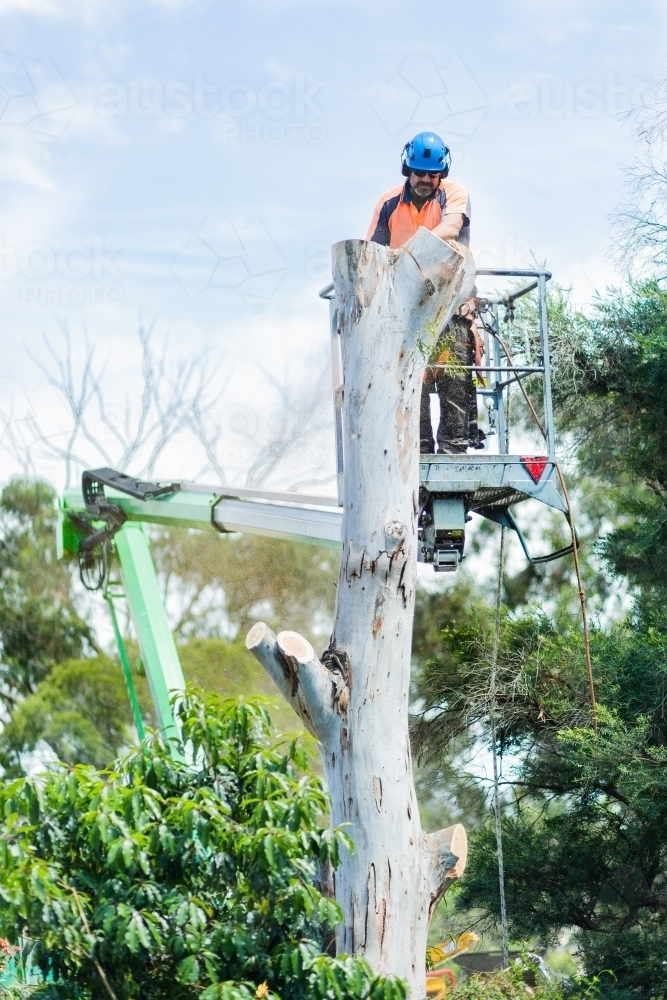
(426, 151)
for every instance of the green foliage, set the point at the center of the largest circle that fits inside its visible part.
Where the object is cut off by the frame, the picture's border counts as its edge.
(511, 985)
(179, 880)
(584, 841)
(623, 357)
(506, 985)
(568, 331)
(617, 415)
(541, 683)
(77, 707)
(584, 822)
(446, 794)
(80, 711)
(39, 624)
(546, 530)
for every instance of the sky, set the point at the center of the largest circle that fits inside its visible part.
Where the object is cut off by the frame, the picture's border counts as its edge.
(189, 164)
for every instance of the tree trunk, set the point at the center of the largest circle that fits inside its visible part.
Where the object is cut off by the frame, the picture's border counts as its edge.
(391, 306)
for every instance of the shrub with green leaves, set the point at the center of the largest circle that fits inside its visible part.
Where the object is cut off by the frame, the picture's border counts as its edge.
(186, 870)
(510, 984)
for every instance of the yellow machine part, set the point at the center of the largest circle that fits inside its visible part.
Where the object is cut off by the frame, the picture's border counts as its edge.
(449, 949)
(440, 984)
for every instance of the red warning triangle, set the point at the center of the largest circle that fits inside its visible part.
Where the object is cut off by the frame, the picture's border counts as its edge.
(535, 466)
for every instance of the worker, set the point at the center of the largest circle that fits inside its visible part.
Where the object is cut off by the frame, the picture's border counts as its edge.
(428, 198)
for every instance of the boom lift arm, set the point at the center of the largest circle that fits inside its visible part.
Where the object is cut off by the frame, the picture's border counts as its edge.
(111, 509)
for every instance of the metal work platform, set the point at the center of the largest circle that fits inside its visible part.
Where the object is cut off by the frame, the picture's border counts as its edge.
(452, 486)
(492, 481)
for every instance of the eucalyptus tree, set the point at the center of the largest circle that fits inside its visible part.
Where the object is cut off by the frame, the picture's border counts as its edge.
(391, 304)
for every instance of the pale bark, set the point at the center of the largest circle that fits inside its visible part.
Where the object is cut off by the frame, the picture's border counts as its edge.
(391, 306)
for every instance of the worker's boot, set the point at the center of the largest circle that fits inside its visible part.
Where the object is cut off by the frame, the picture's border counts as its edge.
(477, 438)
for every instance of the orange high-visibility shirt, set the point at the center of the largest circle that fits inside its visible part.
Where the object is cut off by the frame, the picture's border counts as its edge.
(396, 219)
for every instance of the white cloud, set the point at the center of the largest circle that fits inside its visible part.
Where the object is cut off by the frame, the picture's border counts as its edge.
(53, 8)
(85, 10)
(22, 163)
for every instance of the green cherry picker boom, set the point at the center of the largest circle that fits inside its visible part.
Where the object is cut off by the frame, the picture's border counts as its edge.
(110, 509)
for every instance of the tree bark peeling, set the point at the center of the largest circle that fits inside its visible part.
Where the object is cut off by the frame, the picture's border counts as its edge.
(392, 305)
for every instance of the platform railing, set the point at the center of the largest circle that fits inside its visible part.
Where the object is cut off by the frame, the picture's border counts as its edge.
(503, 372)
(495, 377)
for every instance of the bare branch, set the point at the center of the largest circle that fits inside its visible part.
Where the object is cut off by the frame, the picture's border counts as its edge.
(639, 229)
(174, 396)
(301, 407)
(85, 427)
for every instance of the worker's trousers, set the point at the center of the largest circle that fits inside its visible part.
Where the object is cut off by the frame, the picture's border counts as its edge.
(456, 393)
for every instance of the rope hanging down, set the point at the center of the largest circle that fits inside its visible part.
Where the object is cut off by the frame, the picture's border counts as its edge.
(494, 658)
(575, 542)
(494, 749)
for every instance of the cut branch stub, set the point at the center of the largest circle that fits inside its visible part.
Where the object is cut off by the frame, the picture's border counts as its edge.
(303, 681)
(447, 854)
